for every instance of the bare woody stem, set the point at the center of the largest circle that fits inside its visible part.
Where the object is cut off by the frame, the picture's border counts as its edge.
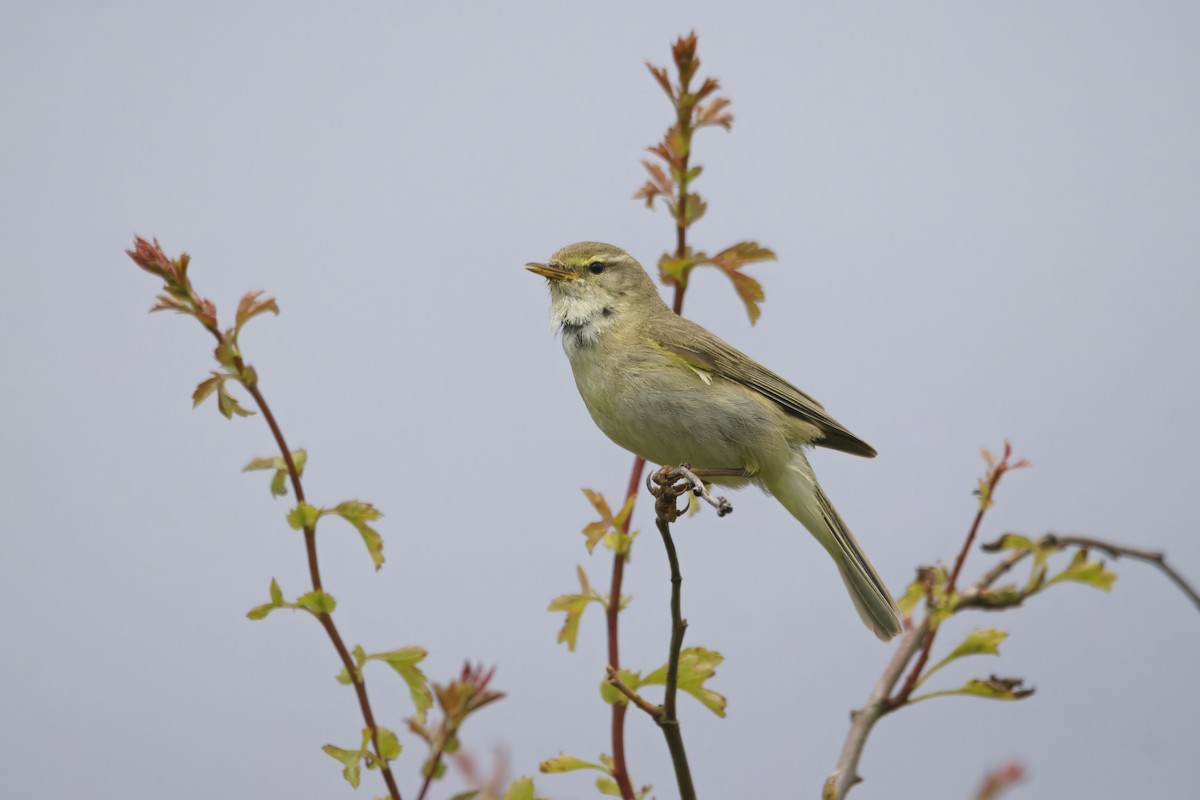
(668, 720)
(1155, 558)
(310, 546)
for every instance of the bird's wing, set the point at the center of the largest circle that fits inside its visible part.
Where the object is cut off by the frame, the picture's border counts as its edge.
(703, 350)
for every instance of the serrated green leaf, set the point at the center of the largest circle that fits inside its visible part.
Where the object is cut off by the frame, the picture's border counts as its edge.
(389, 744)
(206, 387)
(276, 593)
(609, 525)
(696, 665)
(993, 688)
(404, 661)
(349, 759)
(228, 405)
(565, 763)
(303, 516)
(250, 307)
(317, 602)
(358, 514)
(573, 605)
(985, 641)
(1093, 573)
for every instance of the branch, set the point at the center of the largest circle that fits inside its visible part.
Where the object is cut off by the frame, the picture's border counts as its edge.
(669, 484)
(645, 705)
(1115, 551)
(845, 775)
(180, 296)
(986, 491)
(310, 546)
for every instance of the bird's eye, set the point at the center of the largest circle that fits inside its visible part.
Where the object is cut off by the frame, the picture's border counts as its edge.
(596, 267)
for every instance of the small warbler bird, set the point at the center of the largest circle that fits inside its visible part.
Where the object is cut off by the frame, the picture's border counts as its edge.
(666, 389)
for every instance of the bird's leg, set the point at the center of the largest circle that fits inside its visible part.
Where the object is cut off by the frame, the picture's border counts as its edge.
(671, 482)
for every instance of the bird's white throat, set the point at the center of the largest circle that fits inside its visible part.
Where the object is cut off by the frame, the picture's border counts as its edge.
(581, 316)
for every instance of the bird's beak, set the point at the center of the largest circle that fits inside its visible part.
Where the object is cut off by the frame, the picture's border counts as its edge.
(551, 272)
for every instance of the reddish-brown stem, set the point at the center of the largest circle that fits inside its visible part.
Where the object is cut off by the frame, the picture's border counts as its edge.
(914, 675)
(612, 611)
(310, 546)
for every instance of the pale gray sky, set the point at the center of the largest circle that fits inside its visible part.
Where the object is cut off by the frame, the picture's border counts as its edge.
(986, 217)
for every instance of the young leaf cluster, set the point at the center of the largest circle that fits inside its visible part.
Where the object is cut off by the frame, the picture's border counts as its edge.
(671, 180)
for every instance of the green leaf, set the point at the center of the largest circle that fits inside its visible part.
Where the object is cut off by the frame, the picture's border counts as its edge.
(611, 694)
(343, 677)
(404, 661)
(1080, 569)
(250, 307)
(609, 525)
(389, 744)
(573, 605)
(674, 270)
(263, 462)
(608, 786)
(565, 763)
(985, 641)
(260, 612)
(911, 598)
(521, 789)
(317, 602)
(358, 514)
(279, 479)
(303, 516)
(993, 688)
(349, 759)
(696, 665)
(228, 405)
(206, 387)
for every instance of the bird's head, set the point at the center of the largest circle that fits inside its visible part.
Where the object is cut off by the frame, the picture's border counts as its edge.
(590, 278)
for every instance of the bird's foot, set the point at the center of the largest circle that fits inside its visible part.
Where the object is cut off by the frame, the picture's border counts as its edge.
(670, 483)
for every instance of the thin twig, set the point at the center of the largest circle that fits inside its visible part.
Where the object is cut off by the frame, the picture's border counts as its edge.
(645, 705)
(995, 473)
(1154, 557)
(667, 488)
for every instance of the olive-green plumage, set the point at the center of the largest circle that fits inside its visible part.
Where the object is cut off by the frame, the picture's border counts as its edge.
(666, 389)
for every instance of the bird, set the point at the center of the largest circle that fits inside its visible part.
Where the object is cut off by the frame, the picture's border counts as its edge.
(668, 390)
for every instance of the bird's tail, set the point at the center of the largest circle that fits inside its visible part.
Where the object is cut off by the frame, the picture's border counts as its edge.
(797, 489)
